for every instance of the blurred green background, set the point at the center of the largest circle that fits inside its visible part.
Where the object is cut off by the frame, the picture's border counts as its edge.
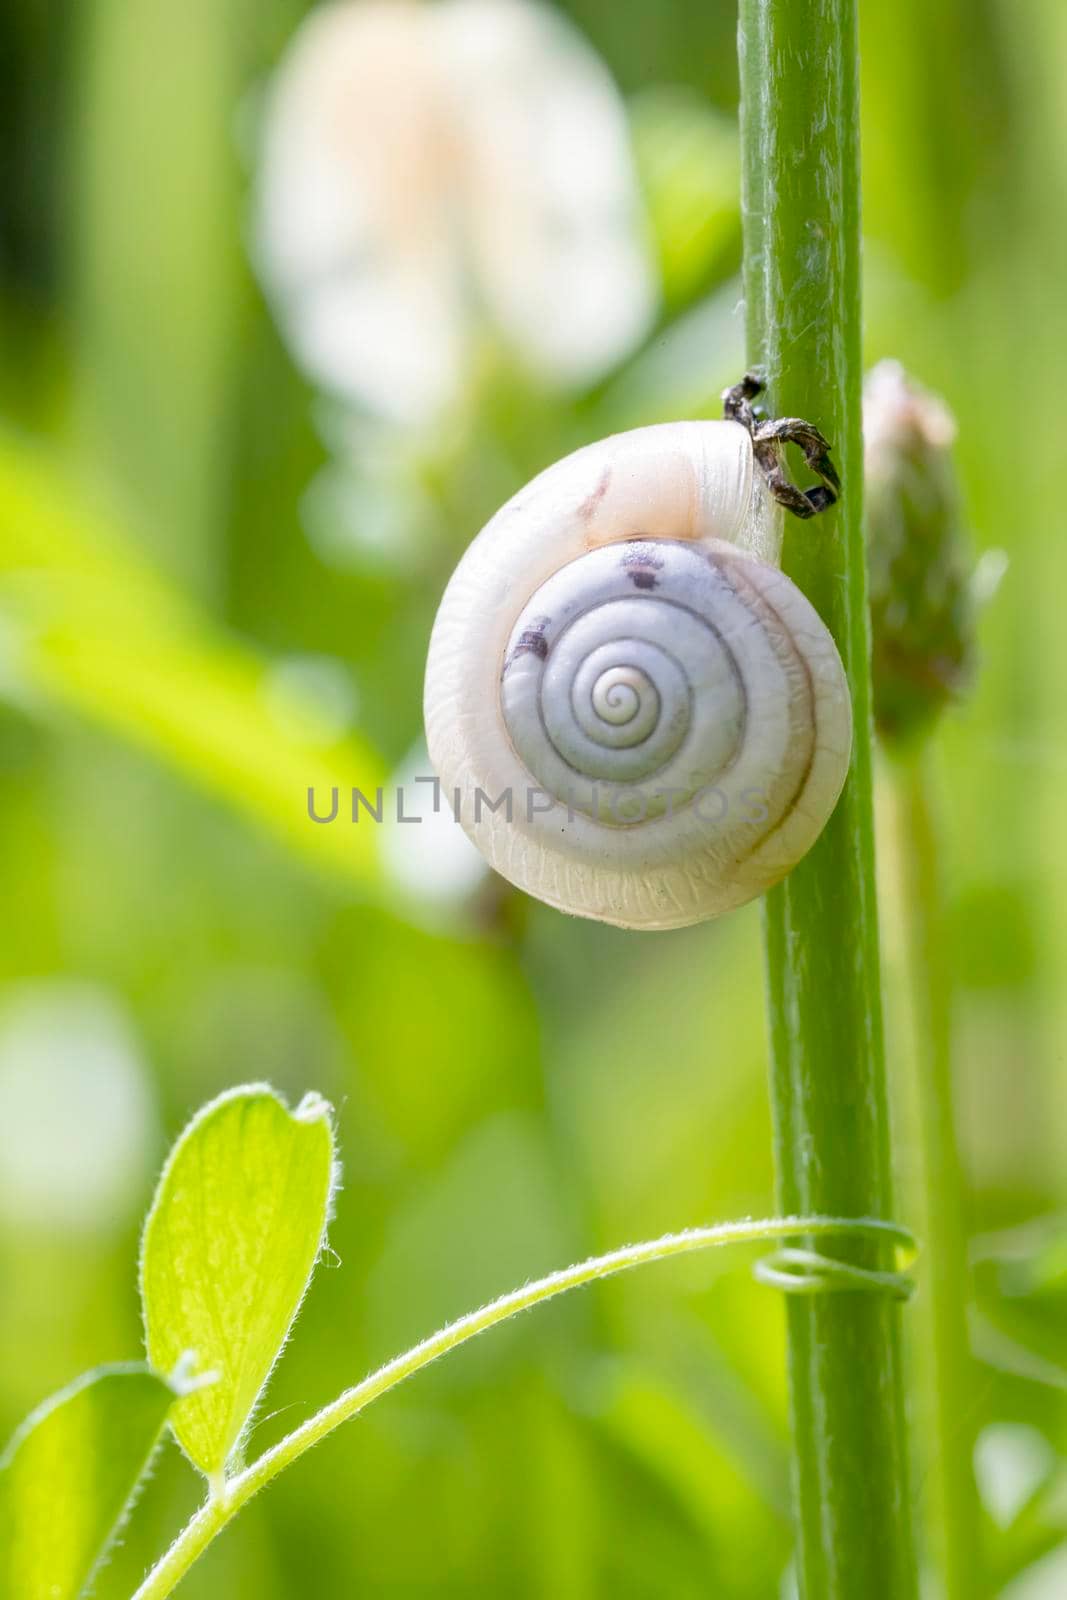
(216, 587)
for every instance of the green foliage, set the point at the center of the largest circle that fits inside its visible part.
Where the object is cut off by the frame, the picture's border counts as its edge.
(93, 627)
(688, 160)
(234, 1232)
(154, 840)
(230, 1242)
(69, 1475)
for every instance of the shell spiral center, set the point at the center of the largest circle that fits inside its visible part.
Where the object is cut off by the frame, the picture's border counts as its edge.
(620, 691)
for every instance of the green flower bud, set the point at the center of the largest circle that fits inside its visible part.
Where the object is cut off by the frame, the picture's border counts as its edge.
(921, 595)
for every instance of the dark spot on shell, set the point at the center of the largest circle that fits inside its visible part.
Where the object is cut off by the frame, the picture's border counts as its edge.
(642, 566)
(591, 501)
(531, 641)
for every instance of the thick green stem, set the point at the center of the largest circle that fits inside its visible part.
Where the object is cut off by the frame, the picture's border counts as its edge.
(946, 1276)
(799, 81)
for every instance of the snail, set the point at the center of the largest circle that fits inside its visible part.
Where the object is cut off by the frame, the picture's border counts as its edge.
(633, 712)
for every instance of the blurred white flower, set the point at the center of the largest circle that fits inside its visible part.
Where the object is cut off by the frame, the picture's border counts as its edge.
(1045, 1580)
(311, 697)
(1011, 1461)
(430, 863)
(365, 512)
(76, 1119)
(427, 168)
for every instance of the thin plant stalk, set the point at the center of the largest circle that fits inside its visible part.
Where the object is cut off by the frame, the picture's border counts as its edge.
(227, 1498)
(957, 1522)
(800, 155)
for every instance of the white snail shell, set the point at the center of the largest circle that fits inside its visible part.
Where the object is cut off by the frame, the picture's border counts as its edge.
(619, 666)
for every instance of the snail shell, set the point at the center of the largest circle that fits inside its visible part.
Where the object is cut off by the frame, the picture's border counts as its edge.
(632, 711)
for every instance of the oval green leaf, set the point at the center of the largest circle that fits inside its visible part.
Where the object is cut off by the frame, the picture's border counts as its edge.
(233, 1234)
(69, 1475)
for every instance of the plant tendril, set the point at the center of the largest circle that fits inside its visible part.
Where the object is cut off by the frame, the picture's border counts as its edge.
(797, 1270)
(794, 1269)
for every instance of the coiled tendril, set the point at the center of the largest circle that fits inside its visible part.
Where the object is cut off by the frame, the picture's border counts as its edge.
(802, 1270)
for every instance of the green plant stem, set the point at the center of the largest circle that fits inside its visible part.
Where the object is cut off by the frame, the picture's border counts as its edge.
(228, 1499)
(800, 154)
(946, 1278)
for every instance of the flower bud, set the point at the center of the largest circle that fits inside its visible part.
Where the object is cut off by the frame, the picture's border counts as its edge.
(921, 598)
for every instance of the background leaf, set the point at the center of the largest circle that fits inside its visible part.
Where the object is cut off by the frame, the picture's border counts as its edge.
(70, 1473)
(89, 626)
(233, 1234)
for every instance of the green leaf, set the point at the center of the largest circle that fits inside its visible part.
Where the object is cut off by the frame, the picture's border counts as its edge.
(689, 165)
(69, 1475)
(234, 1230)
(87, 625)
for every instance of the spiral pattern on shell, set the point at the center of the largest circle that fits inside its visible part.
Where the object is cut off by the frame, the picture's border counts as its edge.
(644, 730)
(619, 691)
